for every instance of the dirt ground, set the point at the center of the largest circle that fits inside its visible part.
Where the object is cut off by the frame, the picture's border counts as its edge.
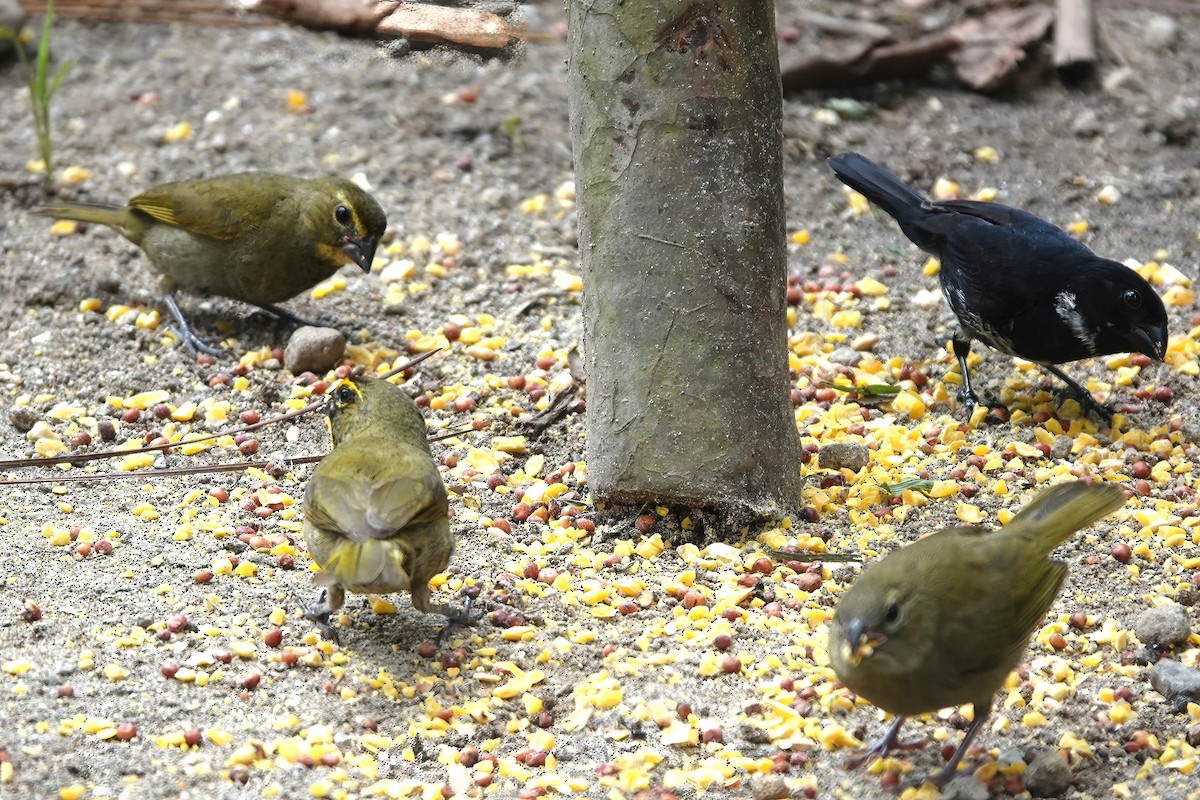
(151, 643)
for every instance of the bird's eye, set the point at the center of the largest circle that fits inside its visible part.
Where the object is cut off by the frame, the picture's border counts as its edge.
(892, 614)
(345, 394)
(342, 215)
(1132, 298)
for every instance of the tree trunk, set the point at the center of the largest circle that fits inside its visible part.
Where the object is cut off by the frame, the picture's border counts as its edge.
(676, 127)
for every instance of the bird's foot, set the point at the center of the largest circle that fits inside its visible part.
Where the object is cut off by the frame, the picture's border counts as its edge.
(456, 616)
(1091, 405)
(884, 744)
(184, 332)
(291, 319)
(997, 411)
(880, 748)
(319, 616)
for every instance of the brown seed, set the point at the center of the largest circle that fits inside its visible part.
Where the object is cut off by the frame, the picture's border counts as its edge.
(126, 731)
(521, 512)
(693, 598)
(273, 637)
(1058, 641)
(131, 415)
(192, 737)
(544, 719)
(106, 429)
(330, 759)
(285, 561)
(1078, 621)
(763, 566)
(1163, 394)
(248, 447)
(516, 382)
(1139, 469)
(710, 735)
(65, 690)
(468, 756)
(808, 581)
(731, 664)
(31, 613)
(1122, 552)
(537, 758)
(644, 523)
(722, 641)
(289, 656)
(426, 649)
(81, 439)
(250, 680)
(168, 669)
(249, 417)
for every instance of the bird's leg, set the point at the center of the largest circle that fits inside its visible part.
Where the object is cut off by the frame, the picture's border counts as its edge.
(331, 600)
(1084, 397)
(884, 744)
(947, 773)
(288, 317)
(184, 331)
(961, 347)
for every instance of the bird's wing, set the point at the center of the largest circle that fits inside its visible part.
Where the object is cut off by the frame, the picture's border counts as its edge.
(363, 507)
(218, 208)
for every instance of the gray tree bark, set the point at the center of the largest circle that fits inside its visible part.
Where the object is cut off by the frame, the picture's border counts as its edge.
(676, 127)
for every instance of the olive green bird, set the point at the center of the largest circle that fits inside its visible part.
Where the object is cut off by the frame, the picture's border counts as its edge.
(376, 516)
(944, 620)
(255, 237)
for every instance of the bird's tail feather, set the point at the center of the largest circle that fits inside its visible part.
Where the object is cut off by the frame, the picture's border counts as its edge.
(1059, 511)
(376, 565)
(878, 185)
(87, 212)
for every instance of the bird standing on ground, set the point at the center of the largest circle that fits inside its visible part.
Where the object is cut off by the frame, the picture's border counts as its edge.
(1018, 283)
(255, 237)
(376, 516)
(942, 621)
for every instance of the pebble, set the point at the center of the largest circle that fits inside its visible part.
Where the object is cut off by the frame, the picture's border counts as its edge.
(844, 455)
(1086, 124)
(1174, 681)
(846, 356)
(1047, 775)
(1163, 625)
(23, 418)
(965, 787)
(772, 787)
(1060, 448)
(1161, 31)
(314, 349)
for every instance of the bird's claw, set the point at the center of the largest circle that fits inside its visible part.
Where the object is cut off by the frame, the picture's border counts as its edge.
(457, 616)
(319, 617)
(880, 748)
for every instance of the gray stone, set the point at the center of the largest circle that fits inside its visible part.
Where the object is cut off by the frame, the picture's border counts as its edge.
(1048, 775)
(846, 356)
(965, 787)
(1163, 625)
(1161, 32)
(313, 349)
(24, 418)
(1174, 681)
(843, 455)
(1086, 124)
(1060, 448)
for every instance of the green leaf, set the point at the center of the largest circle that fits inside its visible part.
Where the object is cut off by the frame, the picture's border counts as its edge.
(873, 389)
(922, 485)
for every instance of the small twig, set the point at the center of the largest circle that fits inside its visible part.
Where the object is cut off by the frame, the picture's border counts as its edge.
(198, 469)
(20, 463)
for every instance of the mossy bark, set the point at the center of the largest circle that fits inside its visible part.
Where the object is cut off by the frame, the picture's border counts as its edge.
(676, 128)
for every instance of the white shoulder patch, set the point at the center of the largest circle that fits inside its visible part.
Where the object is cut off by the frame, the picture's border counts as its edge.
(1064, 306)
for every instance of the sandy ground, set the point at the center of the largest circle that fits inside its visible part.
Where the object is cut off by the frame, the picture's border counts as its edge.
(168, 658)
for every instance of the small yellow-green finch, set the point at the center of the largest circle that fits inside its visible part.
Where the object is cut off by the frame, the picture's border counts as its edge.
(255, 237)
(375, 509)
(942, 621)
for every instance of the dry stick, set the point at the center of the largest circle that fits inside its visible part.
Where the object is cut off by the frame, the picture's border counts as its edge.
(18, 463)
(194, 470)
(1074, 35)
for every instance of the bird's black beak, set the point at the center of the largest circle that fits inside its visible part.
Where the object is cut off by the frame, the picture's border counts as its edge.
(1150, 338)
(361, 251)
(859, 644)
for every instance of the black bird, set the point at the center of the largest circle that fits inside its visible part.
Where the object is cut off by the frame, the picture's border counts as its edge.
(1017, 283)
